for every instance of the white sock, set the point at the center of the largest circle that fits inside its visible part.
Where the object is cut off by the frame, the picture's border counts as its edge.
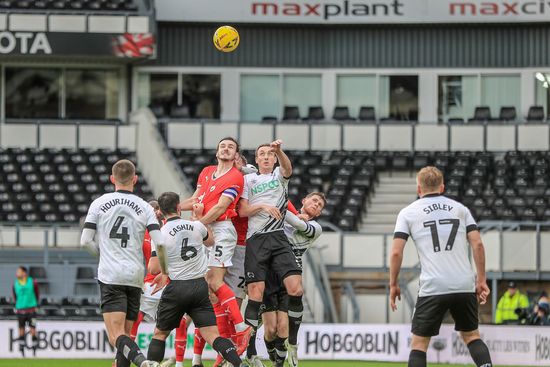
(241, 327)
(179, 364)
(197, 359)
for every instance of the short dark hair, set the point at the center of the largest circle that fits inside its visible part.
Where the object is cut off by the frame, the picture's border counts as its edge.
(320, 194)
(168, 202)
(154, 203)
(261, 146)
(24, 269)
(124, 171)
(230, 139)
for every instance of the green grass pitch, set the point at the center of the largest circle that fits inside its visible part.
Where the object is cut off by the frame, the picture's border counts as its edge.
(107, 363)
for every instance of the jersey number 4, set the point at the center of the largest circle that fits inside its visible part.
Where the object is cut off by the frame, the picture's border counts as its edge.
(123, 236)
(435, 236)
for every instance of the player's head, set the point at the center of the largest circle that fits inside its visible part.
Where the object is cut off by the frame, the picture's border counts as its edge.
(21, 272)
(124, 173)
(265, 158)
(155, 205)
(240, 161)
(429, 181)
(169, 203)
(313, 204)
(227, 149)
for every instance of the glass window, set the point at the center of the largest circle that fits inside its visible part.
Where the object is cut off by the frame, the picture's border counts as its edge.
(457, 97)
(355, 91)
(260, 97)
(500, 91)
(303, 91)
(33, 93)
(399, 97)
(542, 90)
(201, 95)
(163, 92)
(91, 94)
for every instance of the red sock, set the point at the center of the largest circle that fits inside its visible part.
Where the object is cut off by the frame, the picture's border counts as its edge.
(231, 329)
(199, 343)
(221, 320)
(227, 300)
(181, 340)
(133, 332)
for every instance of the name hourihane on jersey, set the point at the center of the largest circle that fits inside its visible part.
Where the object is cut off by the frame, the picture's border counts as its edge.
(442, 230)
(118, 221)
(182, 258)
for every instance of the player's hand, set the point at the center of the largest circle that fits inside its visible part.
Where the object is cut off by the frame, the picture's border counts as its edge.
(276, 145)
(273, 212)
(482, 291)
(198, 208)
(160, 282)
(395, 292)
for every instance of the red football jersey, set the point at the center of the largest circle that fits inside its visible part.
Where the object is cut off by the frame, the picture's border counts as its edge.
(211, 189)
(147, 255)
(241, 226)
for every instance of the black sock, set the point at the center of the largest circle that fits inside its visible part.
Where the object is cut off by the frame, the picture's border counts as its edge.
(129, 350)
(35, 342)
(271, 351)
(228, 351)
(156, 350)
(280, 348)
(417, 358)
(295, 313)
(480, 353)
(251, 314)
(251, 349)
(121, 361)
(22, 344)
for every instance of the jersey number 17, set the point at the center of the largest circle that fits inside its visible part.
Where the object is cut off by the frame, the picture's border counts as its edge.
(432, 224)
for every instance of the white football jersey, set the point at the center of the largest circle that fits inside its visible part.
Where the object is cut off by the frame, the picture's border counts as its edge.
(270, 189)
(301, 234)
(120, 220)
(439, 227)
(185, 255)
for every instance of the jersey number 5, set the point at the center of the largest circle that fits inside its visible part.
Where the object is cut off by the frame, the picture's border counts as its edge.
(123, 236)
(435, 236)
(187, 252)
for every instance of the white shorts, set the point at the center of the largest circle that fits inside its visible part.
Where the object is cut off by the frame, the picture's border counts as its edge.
(225, 240)
(150, 302)
(234, 277)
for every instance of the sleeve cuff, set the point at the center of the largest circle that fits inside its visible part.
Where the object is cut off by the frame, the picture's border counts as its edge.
(90, 225)
(401, 235)
(206, 237)
(471, 227)
(153, 227)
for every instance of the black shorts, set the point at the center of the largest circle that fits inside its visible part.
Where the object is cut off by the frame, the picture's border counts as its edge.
(269, 252)
(429, 312)
(120, 298)
(275, 296)
(27, 318)
(182, 297)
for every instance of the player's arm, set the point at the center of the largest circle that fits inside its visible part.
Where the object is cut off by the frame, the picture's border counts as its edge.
(157, 243)
(284, 162)
(205, 233)
(478, 252)
(87, 239)
(247, 210)
(217, 210)
(187, 204)
(307, 229)
(400, 237)
(36, 290)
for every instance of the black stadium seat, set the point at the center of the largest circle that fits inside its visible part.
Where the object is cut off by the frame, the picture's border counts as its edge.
(535, 114)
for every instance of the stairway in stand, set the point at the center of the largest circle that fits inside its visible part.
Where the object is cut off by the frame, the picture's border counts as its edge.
(394, 191)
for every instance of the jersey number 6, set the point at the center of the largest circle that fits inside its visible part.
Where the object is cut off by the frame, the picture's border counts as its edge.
(187, 252)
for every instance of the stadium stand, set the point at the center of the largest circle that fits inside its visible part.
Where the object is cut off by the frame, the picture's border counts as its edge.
(54, 185)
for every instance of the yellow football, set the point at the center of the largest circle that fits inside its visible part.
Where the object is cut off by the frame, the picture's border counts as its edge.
(226, 39)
